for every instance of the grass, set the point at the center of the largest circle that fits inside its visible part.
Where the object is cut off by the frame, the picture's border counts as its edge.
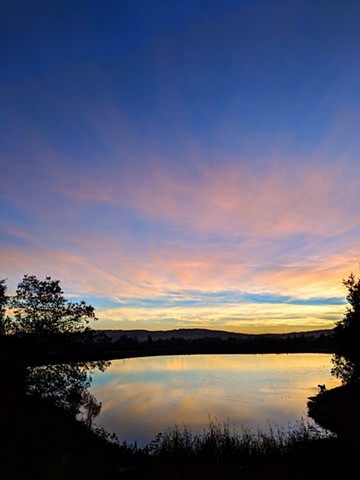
(220, 442)
(220, 452)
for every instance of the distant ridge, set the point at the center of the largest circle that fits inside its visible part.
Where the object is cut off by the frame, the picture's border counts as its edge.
(194, 333)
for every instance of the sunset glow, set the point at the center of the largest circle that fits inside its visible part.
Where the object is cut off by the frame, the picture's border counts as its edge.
(185, 165)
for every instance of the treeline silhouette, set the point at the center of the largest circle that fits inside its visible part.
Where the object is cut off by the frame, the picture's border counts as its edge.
(248, 344)
(46, 327)
(92, 345)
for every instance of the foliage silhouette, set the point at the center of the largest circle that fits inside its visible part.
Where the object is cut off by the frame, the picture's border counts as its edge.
(5, 322)
(40, 308)
(346, 362)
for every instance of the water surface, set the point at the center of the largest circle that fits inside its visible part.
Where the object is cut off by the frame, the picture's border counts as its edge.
(144, 396)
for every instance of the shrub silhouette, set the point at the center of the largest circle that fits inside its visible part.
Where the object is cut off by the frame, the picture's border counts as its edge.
(347, 336)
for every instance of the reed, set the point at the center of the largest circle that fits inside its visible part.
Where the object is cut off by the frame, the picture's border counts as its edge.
(220, 442)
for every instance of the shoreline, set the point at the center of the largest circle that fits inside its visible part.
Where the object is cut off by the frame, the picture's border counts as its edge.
(74, 357)
(76, 451)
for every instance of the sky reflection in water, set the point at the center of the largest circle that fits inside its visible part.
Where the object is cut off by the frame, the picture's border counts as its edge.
(144, 396)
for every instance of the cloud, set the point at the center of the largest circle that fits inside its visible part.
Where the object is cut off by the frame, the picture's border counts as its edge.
(149, 224)
(242, 317)
(171, 236)
(280, 198)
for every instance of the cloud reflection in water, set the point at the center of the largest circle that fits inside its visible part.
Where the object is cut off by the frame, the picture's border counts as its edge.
(144, 396)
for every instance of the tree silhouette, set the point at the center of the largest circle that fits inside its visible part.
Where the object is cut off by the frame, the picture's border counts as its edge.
(347, 335)
(5, 322)
(40, 308)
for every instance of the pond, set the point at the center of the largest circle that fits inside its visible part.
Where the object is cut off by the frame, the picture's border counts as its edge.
(144, 396)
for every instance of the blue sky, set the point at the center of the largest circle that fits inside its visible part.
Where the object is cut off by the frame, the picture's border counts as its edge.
(183, 164)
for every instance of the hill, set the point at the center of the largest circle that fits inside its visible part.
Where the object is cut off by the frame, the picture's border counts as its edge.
(197, 333)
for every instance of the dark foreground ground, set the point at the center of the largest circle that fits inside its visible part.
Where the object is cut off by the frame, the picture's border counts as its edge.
(38, 441)
(41, 442)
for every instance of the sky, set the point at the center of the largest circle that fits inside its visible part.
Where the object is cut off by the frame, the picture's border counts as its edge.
(183, 164)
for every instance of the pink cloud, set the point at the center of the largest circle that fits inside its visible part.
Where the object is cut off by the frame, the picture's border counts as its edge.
(281, 201)
(290, 227)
